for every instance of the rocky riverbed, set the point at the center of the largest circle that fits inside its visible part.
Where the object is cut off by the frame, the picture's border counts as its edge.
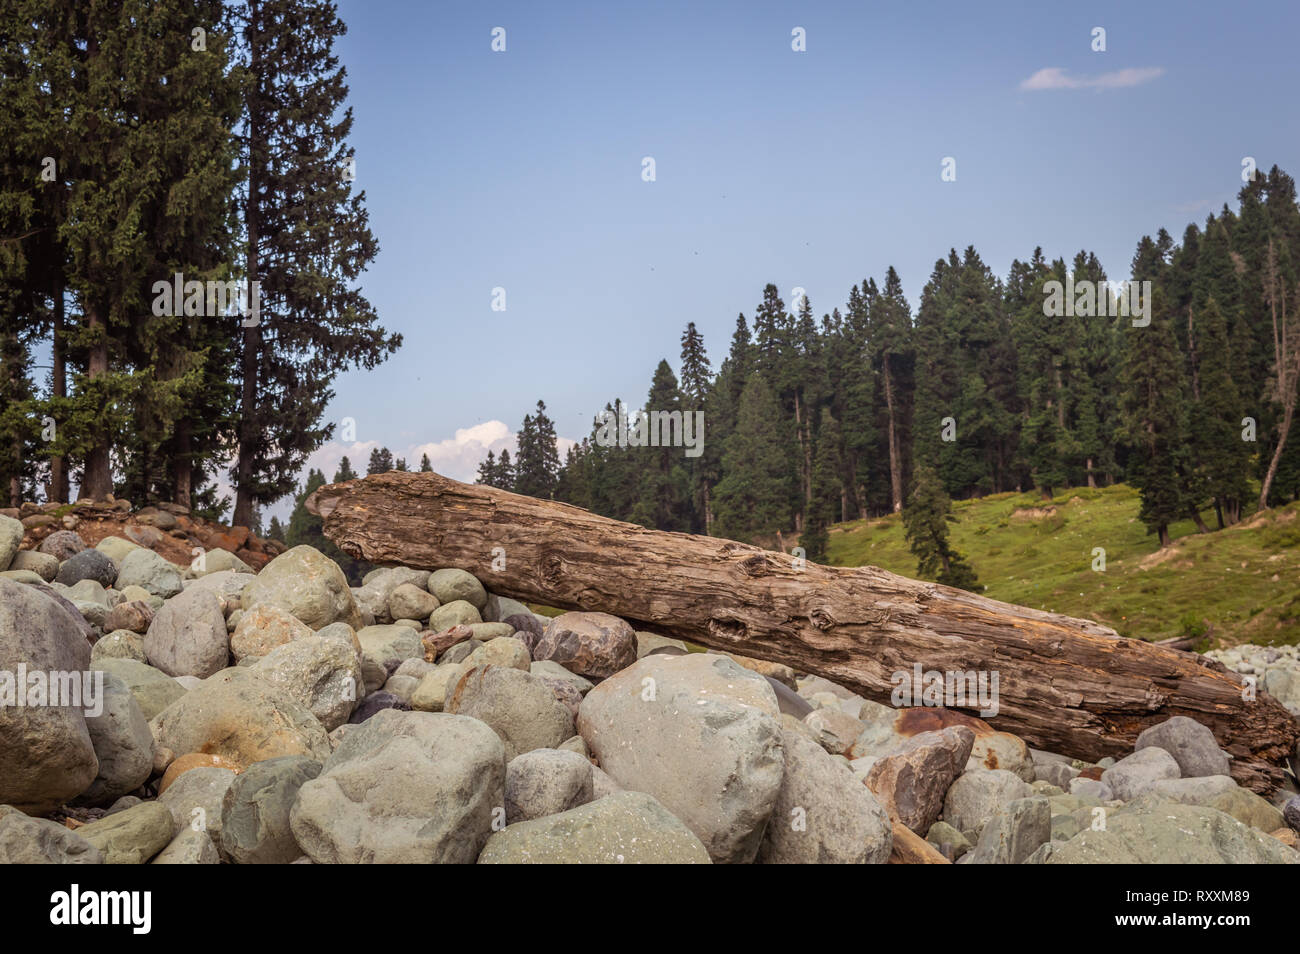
(281, 716)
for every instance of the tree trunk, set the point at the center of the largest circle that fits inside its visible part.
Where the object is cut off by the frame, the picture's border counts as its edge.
(97, 482)
(895, 459)
(1282, 433)
(59, 391)
(1066, 685)
(1092, 478)
(249, 424)
(183, 465)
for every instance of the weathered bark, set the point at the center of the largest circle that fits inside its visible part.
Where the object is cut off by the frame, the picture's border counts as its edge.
(1065, 685)
(895, 458)
(250, 356)
(97, 479)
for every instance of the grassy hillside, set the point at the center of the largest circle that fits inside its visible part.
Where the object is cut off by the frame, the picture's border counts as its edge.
(1243, 582)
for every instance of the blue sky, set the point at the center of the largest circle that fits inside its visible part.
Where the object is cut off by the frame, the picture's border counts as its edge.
(522, 170)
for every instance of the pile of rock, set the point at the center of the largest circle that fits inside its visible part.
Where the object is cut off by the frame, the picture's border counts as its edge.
(1276, 669)
(283, 716)
(169, 529)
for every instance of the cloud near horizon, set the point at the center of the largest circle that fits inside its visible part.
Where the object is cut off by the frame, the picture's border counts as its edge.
(1054, 77)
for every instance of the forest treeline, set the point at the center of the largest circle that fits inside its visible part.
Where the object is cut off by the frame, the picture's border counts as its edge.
(142, 140)
(809, 422)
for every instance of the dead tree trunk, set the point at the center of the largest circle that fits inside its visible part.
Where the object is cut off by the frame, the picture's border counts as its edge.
(1065, 685)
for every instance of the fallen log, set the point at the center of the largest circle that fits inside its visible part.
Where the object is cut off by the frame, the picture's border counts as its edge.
(1065, 685)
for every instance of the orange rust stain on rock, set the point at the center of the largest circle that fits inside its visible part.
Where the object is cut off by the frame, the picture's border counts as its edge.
(920, 719)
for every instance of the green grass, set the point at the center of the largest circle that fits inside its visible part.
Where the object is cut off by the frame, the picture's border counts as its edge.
(1243, 583)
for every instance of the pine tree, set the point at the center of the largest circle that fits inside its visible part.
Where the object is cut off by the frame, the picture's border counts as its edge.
(537, 463)
(663, 501)
(401, 464)
(925, 526)
(487, 470)
(753, 497)
(966, 379)
(306, 241)
(890, 350)
(1218, 455)
(697, 382)
(381, 461)
(1155, 412)
(277, 530)
(505, 476)
(825, 490)
(697, 375)
(425, 466)
(345, 471)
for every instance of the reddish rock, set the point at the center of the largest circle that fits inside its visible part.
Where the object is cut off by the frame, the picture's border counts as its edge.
(232, 540)
(912, 780)
(435, 644)
(595, 645)
(193, 760)
(920, 719)
(255, 560)
(135, 616)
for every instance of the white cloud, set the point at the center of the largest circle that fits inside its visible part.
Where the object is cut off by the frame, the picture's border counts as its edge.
(1054, 77)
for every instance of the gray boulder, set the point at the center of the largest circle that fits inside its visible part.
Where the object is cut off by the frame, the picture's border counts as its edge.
(152, 688)
(702, 735)
(87, 565)
(519, 707)
(408, 601)
(46, 753)
(255, 811)
(11, 538)
(149, 571)
(190, 847)
(823, 814)
(451, 585)
(38, 841)
(123, 744)
(498, 609)
(195, 799)
(1015, 832)
(133, 836)
(1191, 744)
(546, 782)
(322, 674)
(1165, 833)
(976, 796)
(1133, 774)
(42, 564)
(383, 649)
(455, 613)
(403, 787)
(623, 828)
(307, 584)
(188, 636)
